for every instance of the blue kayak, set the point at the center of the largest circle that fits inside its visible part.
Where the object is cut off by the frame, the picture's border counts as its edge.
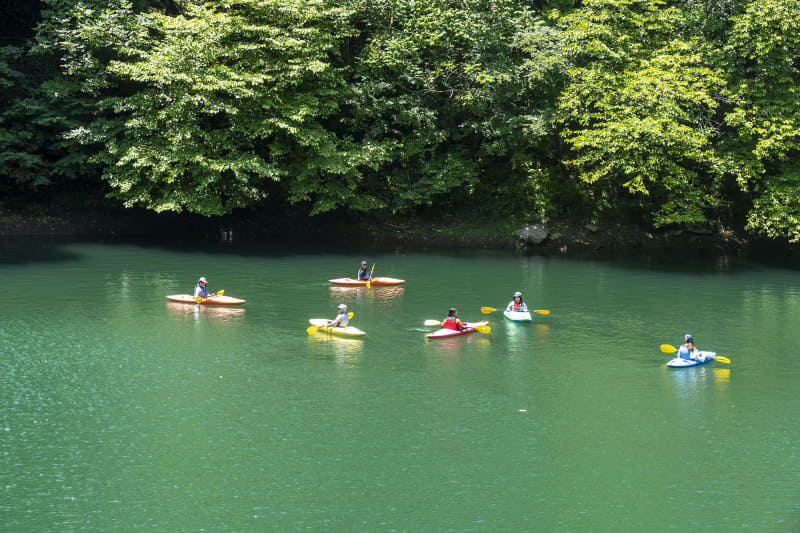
(680, 362)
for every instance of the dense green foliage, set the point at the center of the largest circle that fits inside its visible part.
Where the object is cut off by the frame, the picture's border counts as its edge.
(656, 112)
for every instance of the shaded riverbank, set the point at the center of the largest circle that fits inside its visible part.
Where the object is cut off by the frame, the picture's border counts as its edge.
(564, 237)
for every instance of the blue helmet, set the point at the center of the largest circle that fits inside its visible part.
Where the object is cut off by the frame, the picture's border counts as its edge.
(688, 338)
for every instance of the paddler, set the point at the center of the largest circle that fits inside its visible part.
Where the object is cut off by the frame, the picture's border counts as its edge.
(363, 275)
(516, 303)
(200, 289)
(341, 320)
(452, 321)
(689, 351)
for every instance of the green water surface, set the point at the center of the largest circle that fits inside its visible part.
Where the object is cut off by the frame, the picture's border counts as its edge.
(122, 411)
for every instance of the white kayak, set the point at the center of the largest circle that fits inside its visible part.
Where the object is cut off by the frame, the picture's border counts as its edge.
(518, 316)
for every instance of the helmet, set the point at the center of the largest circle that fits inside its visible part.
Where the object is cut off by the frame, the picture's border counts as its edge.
(518, 295)
(342, 307)
(452, 312)
(363, 263)
(688, 338)
(202, 280)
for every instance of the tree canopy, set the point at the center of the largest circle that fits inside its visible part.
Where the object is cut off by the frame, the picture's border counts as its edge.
(656, 112)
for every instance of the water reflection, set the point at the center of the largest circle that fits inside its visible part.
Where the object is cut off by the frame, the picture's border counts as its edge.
(346, 352)
(363, 294)
(196, 312)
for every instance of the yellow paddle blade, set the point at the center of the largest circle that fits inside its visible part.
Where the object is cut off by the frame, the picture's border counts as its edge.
(312, 329)
(483, 329)
(368, 284)
(350, 314)
(668, 348)
(433, 322)
(487, 310)
(542, 311)
(722, 359)
(220, 293)
(199, 299)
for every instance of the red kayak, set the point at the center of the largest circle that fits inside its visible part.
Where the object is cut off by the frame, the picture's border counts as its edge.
(376, 282)
(211, 300)
(447, 332)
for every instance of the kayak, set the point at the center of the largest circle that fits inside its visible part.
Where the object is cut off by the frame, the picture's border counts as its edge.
(211, 300)
(518, 316)
(349, 331)
(444, 333)
(376, 282)
(680, 362)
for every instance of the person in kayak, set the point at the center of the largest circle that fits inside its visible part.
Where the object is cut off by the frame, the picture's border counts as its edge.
(516, 303)
(689, 351)
(200, 289)
(363, 275)
(452, 321)
(341, 320)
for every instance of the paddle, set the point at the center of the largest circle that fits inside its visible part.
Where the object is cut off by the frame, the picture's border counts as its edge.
(487, 310)
(668, 348)
(313, 329)
(433, 322)
(199, 299)
(369, 279)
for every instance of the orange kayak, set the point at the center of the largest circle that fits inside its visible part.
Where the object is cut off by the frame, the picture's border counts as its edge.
(376, 282)
(211, 300)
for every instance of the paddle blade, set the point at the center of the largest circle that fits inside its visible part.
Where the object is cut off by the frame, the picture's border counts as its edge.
(433, 322)
(350, 314)
(369, 284)
(487, 310)
(199, 299)
(668, 348)
(220, 293)
(312, 329)
(722, 359)
(483, 329)
(542, 311)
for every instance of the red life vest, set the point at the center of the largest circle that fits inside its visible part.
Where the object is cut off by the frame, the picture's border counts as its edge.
(452, 322)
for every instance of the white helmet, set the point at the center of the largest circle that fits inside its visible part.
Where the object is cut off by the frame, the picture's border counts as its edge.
(342, 307)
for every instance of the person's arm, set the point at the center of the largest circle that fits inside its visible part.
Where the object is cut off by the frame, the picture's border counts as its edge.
(523, 306)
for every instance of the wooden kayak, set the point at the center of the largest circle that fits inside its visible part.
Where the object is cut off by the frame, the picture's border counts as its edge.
(349, 331)
(376, 282)
(211, 300)
(444, 333)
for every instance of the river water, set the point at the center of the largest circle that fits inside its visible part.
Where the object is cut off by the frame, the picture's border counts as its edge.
(122, 411)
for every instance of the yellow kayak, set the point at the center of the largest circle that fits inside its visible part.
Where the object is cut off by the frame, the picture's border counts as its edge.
(349, 331)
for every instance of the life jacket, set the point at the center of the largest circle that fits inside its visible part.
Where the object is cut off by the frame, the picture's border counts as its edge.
(203, 291)
(362, 274)
(452, 322)
(517, 305)
(684, 352)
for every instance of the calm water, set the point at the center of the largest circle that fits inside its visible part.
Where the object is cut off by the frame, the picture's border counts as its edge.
(121, 411)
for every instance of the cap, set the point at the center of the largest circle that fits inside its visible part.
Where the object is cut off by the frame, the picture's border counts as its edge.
(202, 280)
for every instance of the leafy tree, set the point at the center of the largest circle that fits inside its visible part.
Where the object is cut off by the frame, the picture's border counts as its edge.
(764, 56)
(639, 111)
(460, 94)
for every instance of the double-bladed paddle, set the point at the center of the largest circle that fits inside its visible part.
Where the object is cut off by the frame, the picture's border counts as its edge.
(487, 310)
